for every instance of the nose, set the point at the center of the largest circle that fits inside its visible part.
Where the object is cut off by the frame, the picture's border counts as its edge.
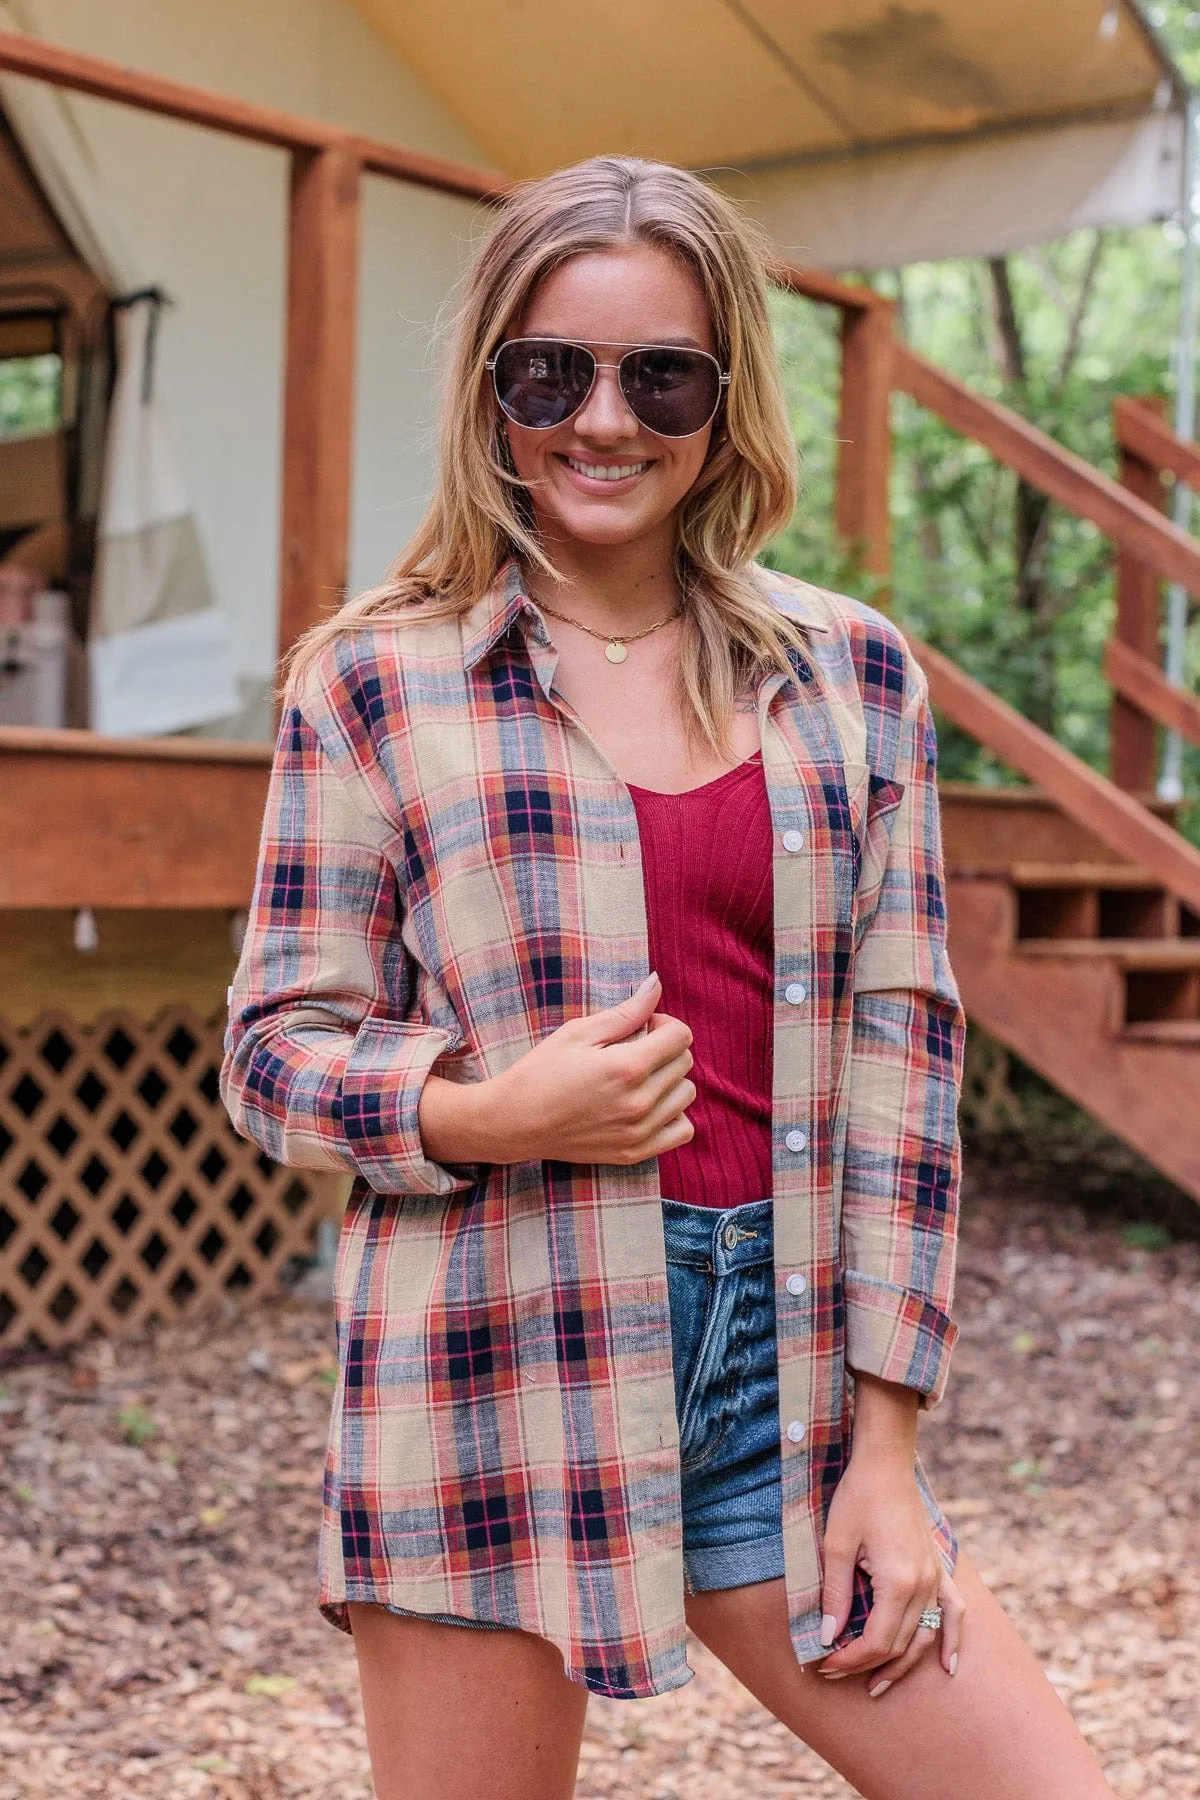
(604, 417)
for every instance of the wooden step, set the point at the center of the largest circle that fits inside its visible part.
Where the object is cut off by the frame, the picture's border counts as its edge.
(1081, 875)
(985, 830)
(1164, 1031)
(1113, 1023)
(1127, 953)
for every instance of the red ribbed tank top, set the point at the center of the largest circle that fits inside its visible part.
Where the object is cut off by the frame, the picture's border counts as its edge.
(707, 868)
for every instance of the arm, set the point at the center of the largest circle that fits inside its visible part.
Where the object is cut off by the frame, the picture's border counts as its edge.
(322, 1068)
(898, 1233)
(901, 1179)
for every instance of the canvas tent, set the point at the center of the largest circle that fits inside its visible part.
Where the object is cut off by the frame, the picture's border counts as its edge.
(862, 133)
(866, 132)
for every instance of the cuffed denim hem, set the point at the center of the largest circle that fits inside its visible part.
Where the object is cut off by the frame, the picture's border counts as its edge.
(733, 1565)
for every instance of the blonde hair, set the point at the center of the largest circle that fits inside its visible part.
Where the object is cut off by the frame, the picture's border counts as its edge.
(480, 513)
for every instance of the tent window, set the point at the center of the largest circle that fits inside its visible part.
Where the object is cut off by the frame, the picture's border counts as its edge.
(30, 395)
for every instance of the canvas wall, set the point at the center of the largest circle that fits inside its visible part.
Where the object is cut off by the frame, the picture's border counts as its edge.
(204, 216)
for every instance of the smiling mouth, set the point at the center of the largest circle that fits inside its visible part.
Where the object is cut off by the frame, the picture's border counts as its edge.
(606, 471)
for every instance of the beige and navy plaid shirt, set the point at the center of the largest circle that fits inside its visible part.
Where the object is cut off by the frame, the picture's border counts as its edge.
(449, 870)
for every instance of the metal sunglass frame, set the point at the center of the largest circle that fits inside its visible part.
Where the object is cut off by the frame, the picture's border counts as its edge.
(723, 378)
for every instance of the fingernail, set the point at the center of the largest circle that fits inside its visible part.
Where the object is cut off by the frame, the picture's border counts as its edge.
(835, 1674)
(881, 1689)
(828, 1628)
(645, 986)
(954, 1662)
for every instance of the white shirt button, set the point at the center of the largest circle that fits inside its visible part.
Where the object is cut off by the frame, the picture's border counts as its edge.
(796, 1140)
(796, 1284)
(793, 840)
(795, 1431)
(795, 993)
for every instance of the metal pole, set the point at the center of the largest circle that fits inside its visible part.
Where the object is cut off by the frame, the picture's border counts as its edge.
(1170, 781)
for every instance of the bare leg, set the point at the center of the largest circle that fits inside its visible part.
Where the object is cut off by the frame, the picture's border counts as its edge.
(454, 1714)
(996, 1730)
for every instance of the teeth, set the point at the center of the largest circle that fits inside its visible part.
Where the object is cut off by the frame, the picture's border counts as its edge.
(605, 472)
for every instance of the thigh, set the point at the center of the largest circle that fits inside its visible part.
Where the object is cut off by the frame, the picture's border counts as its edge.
(454, 1714)
(996, 1730)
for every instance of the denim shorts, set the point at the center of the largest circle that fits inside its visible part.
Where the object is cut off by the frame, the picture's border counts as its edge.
(721, 1282)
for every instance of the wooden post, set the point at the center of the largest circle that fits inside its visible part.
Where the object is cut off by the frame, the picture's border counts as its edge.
(318, 410)
(862, 511)
(1132, 737)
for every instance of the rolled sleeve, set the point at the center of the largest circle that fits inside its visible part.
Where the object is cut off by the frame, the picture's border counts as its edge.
(900, 1190)
(381, 1091)
(898, 1334)
(324, 1066)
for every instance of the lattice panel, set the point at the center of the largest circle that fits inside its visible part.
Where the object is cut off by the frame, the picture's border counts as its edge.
(124, 1192)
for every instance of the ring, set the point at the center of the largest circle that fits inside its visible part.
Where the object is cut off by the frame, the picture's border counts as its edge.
(931, 1618)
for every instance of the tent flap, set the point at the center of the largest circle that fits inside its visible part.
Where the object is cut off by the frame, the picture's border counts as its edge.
(984, 197)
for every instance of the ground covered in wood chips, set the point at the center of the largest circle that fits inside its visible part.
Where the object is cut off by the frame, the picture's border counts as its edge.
(158, 1506)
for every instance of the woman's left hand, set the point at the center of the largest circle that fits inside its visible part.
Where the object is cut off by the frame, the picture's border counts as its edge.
(877, 1519)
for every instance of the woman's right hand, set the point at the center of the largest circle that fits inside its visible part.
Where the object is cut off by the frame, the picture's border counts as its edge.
(591, 1092)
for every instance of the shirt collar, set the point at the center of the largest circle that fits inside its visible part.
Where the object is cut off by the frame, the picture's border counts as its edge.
(496, 611)
(506, 599)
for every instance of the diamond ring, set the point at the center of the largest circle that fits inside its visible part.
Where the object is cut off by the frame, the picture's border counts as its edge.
(931, 1618)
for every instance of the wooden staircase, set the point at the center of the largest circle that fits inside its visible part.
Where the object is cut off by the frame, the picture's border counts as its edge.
(1085, 966)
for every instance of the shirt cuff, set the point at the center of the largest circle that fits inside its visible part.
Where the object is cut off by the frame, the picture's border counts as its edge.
(897, 1334)
(380, 1093)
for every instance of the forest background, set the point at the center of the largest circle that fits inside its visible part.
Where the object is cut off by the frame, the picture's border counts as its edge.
(1015, 589)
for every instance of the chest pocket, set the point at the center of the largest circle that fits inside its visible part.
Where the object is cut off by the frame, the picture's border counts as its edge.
(874, 807)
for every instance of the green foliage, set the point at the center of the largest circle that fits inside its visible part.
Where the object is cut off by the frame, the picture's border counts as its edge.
(29, 396)
(1177, 23)
(136, 1425)
(1144, 1235)
(1096, 316)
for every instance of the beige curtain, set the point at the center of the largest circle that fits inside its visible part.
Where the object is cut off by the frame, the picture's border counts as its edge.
(159, 655)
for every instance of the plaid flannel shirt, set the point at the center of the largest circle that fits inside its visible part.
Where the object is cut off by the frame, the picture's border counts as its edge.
(449, 870)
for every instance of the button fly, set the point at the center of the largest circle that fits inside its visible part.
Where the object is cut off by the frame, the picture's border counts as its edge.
(730, 1235)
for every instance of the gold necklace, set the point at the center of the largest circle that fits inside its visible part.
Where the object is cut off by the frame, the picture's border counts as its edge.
(614, 645)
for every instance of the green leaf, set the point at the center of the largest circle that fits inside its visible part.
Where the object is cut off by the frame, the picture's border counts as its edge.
(136, 1425)
(1145, 1236)
(271, 1685)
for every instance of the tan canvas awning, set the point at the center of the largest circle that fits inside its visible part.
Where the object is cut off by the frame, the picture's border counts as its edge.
(864, 131)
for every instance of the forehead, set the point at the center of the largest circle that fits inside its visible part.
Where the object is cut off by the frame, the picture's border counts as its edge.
(635, 295)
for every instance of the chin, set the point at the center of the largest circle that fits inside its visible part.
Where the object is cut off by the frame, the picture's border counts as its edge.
(603, 531)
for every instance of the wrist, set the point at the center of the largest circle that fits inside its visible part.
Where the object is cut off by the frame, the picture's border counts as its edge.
(464, 1121)
(885, 1420)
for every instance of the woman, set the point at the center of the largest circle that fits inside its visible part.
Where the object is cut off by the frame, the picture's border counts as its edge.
(644, 1277)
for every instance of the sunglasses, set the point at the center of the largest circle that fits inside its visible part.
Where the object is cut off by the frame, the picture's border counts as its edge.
(672, 390)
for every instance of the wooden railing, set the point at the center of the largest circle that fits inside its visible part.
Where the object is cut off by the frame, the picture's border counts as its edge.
(1142, 696)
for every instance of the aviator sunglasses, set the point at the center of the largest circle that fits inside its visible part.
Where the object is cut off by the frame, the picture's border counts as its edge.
(672, 390)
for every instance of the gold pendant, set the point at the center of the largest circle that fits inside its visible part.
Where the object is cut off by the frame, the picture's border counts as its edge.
(615, 652)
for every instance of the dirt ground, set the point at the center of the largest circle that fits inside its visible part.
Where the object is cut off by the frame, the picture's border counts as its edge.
(158, 1513)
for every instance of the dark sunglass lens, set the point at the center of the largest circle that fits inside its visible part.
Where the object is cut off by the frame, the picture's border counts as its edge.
(540, 383)
(672, 392)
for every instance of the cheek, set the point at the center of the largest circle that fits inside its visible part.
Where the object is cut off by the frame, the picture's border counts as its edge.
(522, 452)
(688, 463)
